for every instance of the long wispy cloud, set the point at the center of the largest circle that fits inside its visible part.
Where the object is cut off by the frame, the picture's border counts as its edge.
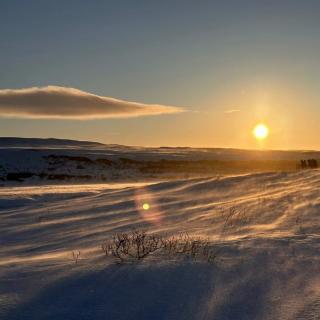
(70, 103)
(231, 111)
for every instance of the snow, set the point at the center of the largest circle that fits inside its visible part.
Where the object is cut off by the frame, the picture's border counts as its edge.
(266, 227)
(43, 161)
(93, 150)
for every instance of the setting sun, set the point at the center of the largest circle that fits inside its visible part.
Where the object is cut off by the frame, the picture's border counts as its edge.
(261, 131)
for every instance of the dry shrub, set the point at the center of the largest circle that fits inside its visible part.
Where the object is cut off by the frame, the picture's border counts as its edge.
(76, 256)
(136, 245)
(197, 248)
(236, 217)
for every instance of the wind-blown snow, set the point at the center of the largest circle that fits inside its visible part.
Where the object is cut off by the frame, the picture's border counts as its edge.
(265, 226)
(42, 160)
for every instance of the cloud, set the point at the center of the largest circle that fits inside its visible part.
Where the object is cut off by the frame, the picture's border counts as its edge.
(53, 102)
(232, 111)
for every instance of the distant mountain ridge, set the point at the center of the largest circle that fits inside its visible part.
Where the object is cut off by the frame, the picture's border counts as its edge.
(11, 142)
(116, 151)
(64, 159)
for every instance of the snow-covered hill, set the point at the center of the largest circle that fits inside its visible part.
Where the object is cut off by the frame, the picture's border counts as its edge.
(265, 226)
(35, 160)
(51, 143)
(114, 151)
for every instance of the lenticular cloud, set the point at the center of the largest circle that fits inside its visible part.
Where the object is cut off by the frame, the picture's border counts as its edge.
(69, 103)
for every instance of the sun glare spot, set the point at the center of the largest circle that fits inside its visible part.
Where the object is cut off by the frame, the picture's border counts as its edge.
(261, 131)
(146, 206)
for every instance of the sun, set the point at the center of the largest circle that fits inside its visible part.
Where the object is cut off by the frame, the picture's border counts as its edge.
(260, 131)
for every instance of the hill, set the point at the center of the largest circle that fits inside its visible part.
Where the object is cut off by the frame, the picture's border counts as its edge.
(40, 160)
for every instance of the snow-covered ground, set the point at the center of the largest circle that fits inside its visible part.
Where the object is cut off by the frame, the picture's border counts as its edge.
(266, 228)
(48, 160)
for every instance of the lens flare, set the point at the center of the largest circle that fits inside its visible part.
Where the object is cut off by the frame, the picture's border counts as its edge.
(146, 206)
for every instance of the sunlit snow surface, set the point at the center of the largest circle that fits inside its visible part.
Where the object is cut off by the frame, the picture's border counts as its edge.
(268, 266)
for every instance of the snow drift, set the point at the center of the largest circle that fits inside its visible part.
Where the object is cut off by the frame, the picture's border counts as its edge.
(266, 227)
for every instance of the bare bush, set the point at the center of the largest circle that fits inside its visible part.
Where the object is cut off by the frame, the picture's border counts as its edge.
(137, 245)
(196, 248)
(235, 218)
(76, 256)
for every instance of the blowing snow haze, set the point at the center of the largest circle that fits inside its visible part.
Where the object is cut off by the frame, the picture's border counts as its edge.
(159, 160)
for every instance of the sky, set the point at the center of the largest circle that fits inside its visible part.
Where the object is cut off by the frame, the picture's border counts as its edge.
(162, 73)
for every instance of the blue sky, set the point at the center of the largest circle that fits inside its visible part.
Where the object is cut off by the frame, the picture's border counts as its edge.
(258, 57)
